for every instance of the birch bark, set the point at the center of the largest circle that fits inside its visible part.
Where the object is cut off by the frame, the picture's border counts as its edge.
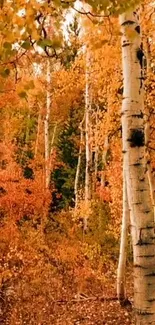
(87, 126)
(38, 133)
(46, 127)
(96, 156)
(121, 276)
(87, 138)
(138, 191)
(76, 190)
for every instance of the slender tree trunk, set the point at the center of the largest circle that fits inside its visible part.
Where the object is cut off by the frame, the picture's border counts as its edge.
(76, 190)
(121, 276)
(51, 152)
(87, 137)
(87, 129)
(38, 132)
(96, 156)
(138, 190)
(53, 138)
(46, 126)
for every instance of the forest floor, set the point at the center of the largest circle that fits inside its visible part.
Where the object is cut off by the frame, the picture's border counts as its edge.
(62, 304)
(90, 311)
(50, 279)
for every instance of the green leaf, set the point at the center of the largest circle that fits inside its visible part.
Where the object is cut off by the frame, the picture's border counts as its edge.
(7, 46)
(44, 42)
(5, 73)
(22, 94)
(26, 45)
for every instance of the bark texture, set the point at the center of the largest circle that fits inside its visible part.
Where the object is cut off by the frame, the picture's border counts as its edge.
(46, 124)
(121, 276)
(87, 136)
(138, 190)
(76, 184)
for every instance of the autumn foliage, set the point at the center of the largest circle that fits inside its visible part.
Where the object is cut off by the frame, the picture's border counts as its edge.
(46, 256)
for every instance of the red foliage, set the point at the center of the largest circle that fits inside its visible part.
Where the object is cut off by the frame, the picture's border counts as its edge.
(20, 196)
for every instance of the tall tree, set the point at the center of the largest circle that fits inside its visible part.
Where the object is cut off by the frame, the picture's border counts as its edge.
(77, 175)
(87, 135)
(138, 190)
(46, 124)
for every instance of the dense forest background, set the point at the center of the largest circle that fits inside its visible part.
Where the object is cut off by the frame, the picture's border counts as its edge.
(61, 167)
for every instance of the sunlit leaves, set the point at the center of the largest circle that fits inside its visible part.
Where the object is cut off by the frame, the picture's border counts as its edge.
(112, 6)
(19, 24)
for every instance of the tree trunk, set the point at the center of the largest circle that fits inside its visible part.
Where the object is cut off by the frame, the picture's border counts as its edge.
(121, 278)
(138, 191)
(38, 133)
(87, 129)
(76, 190)
(46, 124)
(87, 137)
(96, 155)
(51, 153)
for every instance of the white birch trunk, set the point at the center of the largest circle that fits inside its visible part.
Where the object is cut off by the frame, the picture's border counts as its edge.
(87, 127)
(76, 190)
(96, 157)
(138, 191)
(87, 138)
(46, 126)
(121, 276)
(51, 152)
(38, 132)
(53, 139)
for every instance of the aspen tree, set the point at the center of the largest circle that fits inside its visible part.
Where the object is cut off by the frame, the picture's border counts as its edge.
(46, 126)
(121, 276)
(138, 190)
(38, 132)
(87, 136)
(76, 190)
(96, 156)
